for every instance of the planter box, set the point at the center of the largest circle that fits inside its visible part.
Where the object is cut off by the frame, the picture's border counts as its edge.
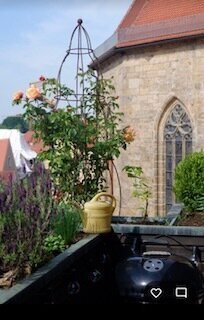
(169, 219)
(84, 273)
(159, 230)
(74, 276)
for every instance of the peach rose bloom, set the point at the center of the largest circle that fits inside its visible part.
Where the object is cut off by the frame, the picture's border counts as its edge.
(17, 96)
(129, 134)
(33, 92)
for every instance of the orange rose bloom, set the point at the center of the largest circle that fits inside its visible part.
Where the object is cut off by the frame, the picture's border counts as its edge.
(17, 96)
(33, 92)
(129, 134)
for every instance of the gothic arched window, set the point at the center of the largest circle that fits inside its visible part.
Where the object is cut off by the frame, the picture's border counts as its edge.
(178, 143)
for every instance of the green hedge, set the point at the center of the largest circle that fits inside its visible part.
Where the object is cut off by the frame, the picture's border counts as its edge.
(189, 181)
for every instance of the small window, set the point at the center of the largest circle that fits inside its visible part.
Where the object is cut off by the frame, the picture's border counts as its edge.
(178, 143)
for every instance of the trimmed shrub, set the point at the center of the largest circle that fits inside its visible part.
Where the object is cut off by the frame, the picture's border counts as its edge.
(189, 181)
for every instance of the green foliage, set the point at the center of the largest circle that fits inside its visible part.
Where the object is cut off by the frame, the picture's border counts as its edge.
(67, 222)
(79, 140)
(15, 122)
(27, 208)
(53, 244)
(189, 182)
(200, 203)
(141, 188)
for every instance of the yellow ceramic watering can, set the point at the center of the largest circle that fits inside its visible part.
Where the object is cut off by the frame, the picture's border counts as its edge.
(98, 213)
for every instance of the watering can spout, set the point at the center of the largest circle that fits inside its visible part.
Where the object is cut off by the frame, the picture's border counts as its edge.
(98, 213)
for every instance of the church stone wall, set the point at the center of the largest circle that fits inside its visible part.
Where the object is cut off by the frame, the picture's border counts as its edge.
(148, 81)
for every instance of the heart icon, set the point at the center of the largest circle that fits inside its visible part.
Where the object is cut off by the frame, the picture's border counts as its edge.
(156, 292)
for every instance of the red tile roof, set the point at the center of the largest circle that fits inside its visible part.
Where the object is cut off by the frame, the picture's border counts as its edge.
(154, 20)
(147, 11)
(4, 148)
(35, 144)
(4, 145)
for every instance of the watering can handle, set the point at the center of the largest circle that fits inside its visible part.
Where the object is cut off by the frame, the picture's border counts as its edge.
(105, 194)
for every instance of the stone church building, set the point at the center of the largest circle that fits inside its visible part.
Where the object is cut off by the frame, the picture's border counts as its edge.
(156, 57)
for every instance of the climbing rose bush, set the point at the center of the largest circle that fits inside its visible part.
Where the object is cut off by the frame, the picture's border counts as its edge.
(81, 140)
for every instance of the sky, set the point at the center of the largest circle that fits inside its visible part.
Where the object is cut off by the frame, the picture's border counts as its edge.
(35, 35)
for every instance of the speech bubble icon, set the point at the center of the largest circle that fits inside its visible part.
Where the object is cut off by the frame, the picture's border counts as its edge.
(181, 292)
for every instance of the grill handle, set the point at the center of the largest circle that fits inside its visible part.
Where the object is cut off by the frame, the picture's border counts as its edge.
(159, 242)
(138, 244)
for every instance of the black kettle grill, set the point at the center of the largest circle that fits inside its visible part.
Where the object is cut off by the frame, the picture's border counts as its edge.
(159, 277)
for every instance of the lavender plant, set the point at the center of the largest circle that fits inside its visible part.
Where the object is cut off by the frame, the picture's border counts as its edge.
(26, 210)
